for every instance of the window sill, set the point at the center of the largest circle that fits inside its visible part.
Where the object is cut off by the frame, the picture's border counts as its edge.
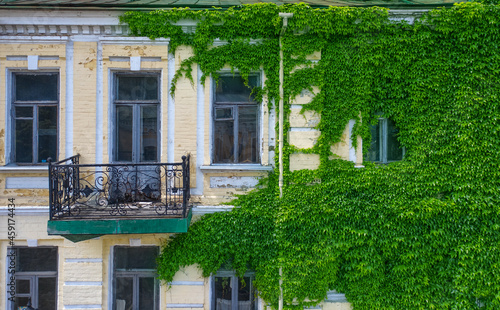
(23, 169)
(237, 167)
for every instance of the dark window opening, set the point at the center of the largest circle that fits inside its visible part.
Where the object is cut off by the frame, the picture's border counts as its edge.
(233, 293)
(35, 117)
(136, 109)
(134, 278)
(384, 146)
(36, 277)
(236, 121)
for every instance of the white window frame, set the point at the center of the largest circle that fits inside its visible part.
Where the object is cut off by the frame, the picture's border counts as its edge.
(259, 120)
(135, 104)
(11, 116)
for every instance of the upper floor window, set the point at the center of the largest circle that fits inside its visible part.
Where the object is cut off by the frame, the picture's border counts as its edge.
(236, 121)
(35, 277)
(233, 293)
(35, 98)
(134, 278)
(136, 105)
(384, 146)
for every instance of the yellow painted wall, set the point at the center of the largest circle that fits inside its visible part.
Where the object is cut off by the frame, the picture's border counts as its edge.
(85, 76)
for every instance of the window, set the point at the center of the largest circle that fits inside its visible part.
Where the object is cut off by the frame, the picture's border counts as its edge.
(236, 121)
(134, 279)
(36, 277)
(233, 293)
(35, 98)
(136, 110)
(385, 147)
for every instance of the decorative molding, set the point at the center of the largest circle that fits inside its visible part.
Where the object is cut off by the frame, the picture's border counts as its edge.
(200, 210)
(83, 283)
(24, 210)
(24, 169)
(82, 307)
(121, 40)
(194, 283)
(83, 260)
(236, 167)
(63, 30)
(408, 15)
(233, 182)
(334, 296)
(27, 183)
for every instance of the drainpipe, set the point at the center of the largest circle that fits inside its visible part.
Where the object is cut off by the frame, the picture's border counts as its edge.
(285, 17)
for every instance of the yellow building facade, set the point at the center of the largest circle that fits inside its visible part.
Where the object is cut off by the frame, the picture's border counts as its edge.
(73, 83)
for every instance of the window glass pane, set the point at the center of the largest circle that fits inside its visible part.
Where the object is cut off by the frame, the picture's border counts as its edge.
(23, 286)
(36, 87)
(47, 293)
(146, 293)
(47, 133)
(124, 133)
(394, 149)
(233, 89)
(149, 133)
(22, 111)
(247, 135)
(223, 113)
(137, 87)
(124, 291)
(374, 150)
(37, 259)
(224, 142)
(130, 258)
(246, 294)
(223, 291)
(24, 141)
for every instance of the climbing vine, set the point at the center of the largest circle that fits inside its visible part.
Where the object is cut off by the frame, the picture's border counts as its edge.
(422, 233)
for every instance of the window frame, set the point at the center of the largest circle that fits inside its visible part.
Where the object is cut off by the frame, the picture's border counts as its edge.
(136, 106)
(382, 123)
(135, 274)
(33, 277)
(235, 105)
(35, 104)
(234, 292)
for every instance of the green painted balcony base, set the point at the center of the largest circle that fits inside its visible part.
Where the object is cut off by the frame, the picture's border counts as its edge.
(79, 230)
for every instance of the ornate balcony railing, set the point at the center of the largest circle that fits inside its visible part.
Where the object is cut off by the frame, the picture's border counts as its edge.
(82, 191)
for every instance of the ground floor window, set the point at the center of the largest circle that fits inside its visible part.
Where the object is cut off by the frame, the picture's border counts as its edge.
(35, 277)
(134, 278)
(233, 293)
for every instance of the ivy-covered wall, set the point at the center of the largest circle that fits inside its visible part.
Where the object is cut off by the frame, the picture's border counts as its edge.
(422, 233)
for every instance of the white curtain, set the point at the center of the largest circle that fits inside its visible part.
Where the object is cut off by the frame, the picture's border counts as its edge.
(225, 304)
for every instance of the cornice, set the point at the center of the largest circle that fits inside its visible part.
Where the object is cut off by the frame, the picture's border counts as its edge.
(64, 23)
(62, 30)
(61, 23)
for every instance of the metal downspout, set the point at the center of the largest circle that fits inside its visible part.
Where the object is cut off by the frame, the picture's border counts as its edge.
(285, 17)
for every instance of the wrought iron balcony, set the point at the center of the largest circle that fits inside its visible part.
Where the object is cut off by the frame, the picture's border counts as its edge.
(121, 190)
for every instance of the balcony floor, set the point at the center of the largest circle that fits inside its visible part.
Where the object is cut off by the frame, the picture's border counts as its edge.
(114, 211)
